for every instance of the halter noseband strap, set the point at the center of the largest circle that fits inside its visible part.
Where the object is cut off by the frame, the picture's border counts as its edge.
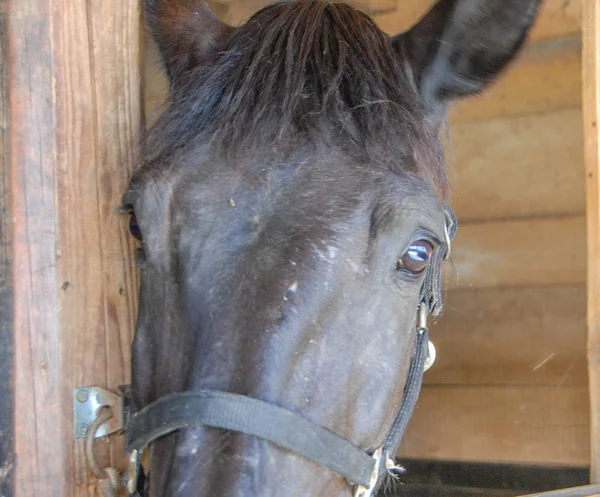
(285, 428)
(280, 426)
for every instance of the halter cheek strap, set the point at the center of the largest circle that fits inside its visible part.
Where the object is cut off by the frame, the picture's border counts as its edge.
(285, 428)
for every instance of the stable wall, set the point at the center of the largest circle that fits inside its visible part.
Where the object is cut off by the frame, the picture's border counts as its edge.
(511, 379)
(510, 382)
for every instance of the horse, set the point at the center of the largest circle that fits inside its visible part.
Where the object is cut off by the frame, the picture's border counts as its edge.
(292, 211)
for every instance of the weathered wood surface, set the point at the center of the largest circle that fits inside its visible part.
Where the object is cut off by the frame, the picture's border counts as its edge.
(40, 433)
(511, 336)
(517, 167)
(518, 253)
(583, 491)
(7, 452)
(76, 110)
(529, 424)
(512, 478)
(591, 126)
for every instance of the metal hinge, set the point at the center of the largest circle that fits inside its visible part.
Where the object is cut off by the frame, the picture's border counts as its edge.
(89, 400)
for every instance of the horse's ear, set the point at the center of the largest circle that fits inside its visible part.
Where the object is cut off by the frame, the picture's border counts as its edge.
(460, 46)
(187, 33)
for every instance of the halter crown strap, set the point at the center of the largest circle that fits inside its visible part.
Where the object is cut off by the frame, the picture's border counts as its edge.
(251, 416)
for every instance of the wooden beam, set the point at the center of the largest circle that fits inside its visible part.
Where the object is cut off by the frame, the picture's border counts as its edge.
(518, 253)
(517, 424)
(517, 167)
(75, 114)
(512, 478)
(7, 449)
(511, 336)
(591, 127)
(583, 491)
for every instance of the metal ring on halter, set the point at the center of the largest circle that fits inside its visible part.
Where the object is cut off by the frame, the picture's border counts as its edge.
(448, 242)
(431, 356)
(422, 328)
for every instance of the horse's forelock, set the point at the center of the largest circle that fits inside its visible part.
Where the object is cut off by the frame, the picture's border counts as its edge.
(303, 72)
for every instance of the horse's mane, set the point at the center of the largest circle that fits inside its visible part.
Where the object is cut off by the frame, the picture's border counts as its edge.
(307, 70)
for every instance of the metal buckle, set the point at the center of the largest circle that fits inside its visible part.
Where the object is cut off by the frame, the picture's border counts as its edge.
(422, 319)
(368, 491)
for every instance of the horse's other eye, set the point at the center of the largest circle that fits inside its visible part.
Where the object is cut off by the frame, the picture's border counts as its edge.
(134, 228)
(416, 258)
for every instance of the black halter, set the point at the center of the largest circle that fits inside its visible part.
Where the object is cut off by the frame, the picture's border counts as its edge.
(282, 427)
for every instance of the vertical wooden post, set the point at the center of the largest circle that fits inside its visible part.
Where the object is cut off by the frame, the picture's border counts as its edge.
(591, 118)
(75, 115)
(7, 452)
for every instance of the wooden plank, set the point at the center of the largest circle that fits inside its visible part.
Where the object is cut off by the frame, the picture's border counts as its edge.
(518, 253)
(515, 478)
(517, 167)
(545, 78)
(40, 432)
(76, 109)
(517, 336)
(436, 490)
(583, 491)
(591, 119)
(7, 450)
(558, 18)
(537, 425)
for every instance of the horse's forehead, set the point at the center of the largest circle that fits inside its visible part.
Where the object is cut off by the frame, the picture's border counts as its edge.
(328, 188)
(306, 177)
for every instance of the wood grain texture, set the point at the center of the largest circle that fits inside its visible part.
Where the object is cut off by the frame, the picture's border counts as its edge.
(558, 18)
(545, 78)
(517, 167)
(538, 425)
(511, 336)
(40, 432)
(76, 110)
(591, 126)
(7, 449)
(518, 253)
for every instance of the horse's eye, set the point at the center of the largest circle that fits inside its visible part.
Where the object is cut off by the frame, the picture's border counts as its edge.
(134, 228)
(416, 258)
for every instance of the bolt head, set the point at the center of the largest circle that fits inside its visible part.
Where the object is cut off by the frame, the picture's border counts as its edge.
(82, 395)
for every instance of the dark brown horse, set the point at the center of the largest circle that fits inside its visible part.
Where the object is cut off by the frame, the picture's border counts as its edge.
(290, 201)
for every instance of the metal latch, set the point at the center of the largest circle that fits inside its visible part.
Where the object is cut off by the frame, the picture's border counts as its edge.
(87, 402)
